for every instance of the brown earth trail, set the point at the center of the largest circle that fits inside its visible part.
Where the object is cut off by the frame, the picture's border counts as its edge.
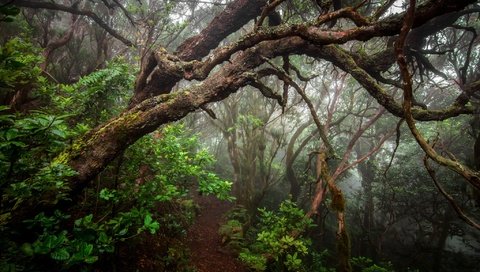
(207, 252)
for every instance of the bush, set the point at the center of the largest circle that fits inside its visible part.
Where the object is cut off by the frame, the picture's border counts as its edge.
(279, 244)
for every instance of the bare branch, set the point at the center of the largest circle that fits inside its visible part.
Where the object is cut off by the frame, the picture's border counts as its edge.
(267, 91)
(397, 143)
(266, 10)
(125, 12)
(468, 174)
(282, 75)
(448, 197)
(74, 10)
(342, 166)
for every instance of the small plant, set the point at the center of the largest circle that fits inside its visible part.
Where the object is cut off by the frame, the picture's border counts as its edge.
(317, 261)
(365, 264)
(279, 244)
(254, 261)
(232, 234)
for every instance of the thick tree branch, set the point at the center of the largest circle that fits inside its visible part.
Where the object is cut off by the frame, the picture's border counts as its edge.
(344, 60)
(235, 15)
(239, 12)
(91, 154)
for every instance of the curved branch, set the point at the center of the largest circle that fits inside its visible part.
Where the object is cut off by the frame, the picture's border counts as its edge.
(266, 10)
(468, 174)
(57, 43)
(74, 10)
(342, 166)
(342, 59)
(239, 12)
(447, 196)
(282, 75)
(91, 154)
(233, 17)
(125, 12)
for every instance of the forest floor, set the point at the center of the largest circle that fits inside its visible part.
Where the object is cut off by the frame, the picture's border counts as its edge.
(207, 252)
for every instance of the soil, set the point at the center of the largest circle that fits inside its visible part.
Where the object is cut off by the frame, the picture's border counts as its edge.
(207, 252)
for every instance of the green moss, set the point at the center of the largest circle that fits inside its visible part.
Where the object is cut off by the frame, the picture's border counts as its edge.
(338, 201)
(72, 151)
(92, 138)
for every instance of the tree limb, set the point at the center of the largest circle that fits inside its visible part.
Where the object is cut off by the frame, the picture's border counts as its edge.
(468, 174)
(448, 197)
(74, 10)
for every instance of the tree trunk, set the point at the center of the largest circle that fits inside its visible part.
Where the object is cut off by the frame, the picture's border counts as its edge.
(290, 159)
(442, 239)
(343, 239)
(366, 172)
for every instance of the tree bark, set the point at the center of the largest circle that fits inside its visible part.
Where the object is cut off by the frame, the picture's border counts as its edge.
(366, 170)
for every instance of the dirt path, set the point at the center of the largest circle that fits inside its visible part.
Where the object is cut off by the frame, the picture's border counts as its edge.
(207, 252)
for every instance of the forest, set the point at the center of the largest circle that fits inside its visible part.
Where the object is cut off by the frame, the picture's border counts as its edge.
(240, 135)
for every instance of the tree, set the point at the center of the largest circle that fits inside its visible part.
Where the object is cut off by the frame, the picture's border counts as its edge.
(359, 38)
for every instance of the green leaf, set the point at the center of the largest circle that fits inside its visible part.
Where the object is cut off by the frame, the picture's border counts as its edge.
(122, 232)
(86, 249)
(60, 133)
(60, 255)
(151, 225)
(91, 259)
(148, 219)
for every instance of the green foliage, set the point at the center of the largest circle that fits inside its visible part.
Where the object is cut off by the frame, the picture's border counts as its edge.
(254, 261)
(173, 163)
(19, 61)
(58, 244)
(158, 171)
(97, 96)
(247, 121)
(279, 244)
(232, 234)
(28, 143)
(318, 262)
(8, 13)
(365, 264)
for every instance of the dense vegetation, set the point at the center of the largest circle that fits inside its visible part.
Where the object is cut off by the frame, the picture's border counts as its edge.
(345, 133)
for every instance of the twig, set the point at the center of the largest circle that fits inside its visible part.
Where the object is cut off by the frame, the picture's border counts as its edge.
(282, 75)
(267, 91)
(210, 112)
(448, 197)
(268, 8)
(74, 10)
(397, 143)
